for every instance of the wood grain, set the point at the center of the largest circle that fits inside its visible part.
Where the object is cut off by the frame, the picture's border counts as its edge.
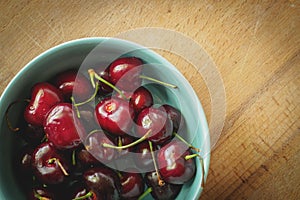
(255, 45)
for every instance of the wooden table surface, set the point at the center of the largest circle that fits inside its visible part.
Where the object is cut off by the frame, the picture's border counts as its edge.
(255, 46)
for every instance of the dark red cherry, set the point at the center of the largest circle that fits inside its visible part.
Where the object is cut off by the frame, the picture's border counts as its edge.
(125, 73)
(122, 141)
(140, 99)
(165, 192)
(104, 182)
(144, 160)
(62, 127)
(173, 166)
(73, 83)
(33, 134)
(86, 158)
(104, 88)
(132, 185)
(94, 144)
(43, 97)
(22, 165)
(175, 115)
(156, 120)
(40, 193)
(114, 115)
(79, 191)
(48, 165)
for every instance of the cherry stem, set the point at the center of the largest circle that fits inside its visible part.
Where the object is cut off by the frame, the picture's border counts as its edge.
(158, 81)
(90, 133)
(120, 143)
(39, 197)
(52, 160)
(89, 99)
(187, 157)
(184, 141)
(128, 145)
(94, 74)
(74, 157)
(7, 111)
(89, 194)
(76, 108)
(160, 181)
(148, 191)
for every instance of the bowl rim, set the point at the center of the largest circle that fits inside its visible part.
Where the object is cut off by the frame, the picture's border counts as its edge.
(94, 40)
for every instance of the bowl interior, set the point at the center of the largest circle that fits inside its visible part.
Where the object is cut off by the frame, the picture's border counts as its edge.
(86, 53)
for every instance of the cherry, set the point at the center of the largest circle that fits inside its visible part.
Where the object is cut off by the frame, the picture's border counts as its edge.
(121, 141)
(132, 185)
(125, 73)
(86, 158)
(71, 82)
(43, 97)
(62, 127)
(164, 192)
(33, 134)
(80, 192)
(173, 164)
(104, 182)
(156, 120)
(40, 193)
(93, 143)
(176, 117)
(140, 99)
(143, 155)
(104, 88)
(114, 115)
(48, 165)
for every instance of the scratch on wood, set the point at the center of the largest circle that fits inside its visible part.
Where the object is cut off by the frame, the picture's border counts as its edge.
(29, 36)
(48, 24)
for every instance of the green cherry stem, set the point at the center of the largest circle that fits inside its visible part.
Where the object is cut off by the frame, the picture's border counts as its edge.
(184, 141)
(158, 81)
(128, 145)
(76, 108)
(160, 181)
(39, 197)
(52, 160)
(89, 194)
(148, 191)
(74, 157)
(93, 74)
(187, 157)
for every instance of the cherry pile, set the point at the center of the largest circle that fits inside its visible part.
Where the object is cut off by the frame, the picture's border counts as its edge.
(74, 127)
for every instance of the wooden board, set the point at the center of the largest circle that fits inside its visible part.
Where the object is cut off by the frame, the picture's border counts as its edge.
(255, 46)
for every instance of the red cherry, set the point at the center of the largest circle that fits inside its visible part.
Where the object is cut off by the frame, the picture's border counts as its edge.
(93, 143)
(176, 117)
(104, 88)
(48, 165)
(104, 182)
(173, 166)
(132, 185)
(141, 99)
(157, 121)
(62, 128)
(143, 158)
(114, 115)
(86, 158)
(122, 141)
(40, 193)
(43, 97)
(125, 73)
(73, 83)
(161, 192)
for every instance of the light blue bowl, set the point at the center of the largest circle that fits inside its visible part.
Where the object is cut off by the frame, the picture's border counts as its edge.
(72, 54)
